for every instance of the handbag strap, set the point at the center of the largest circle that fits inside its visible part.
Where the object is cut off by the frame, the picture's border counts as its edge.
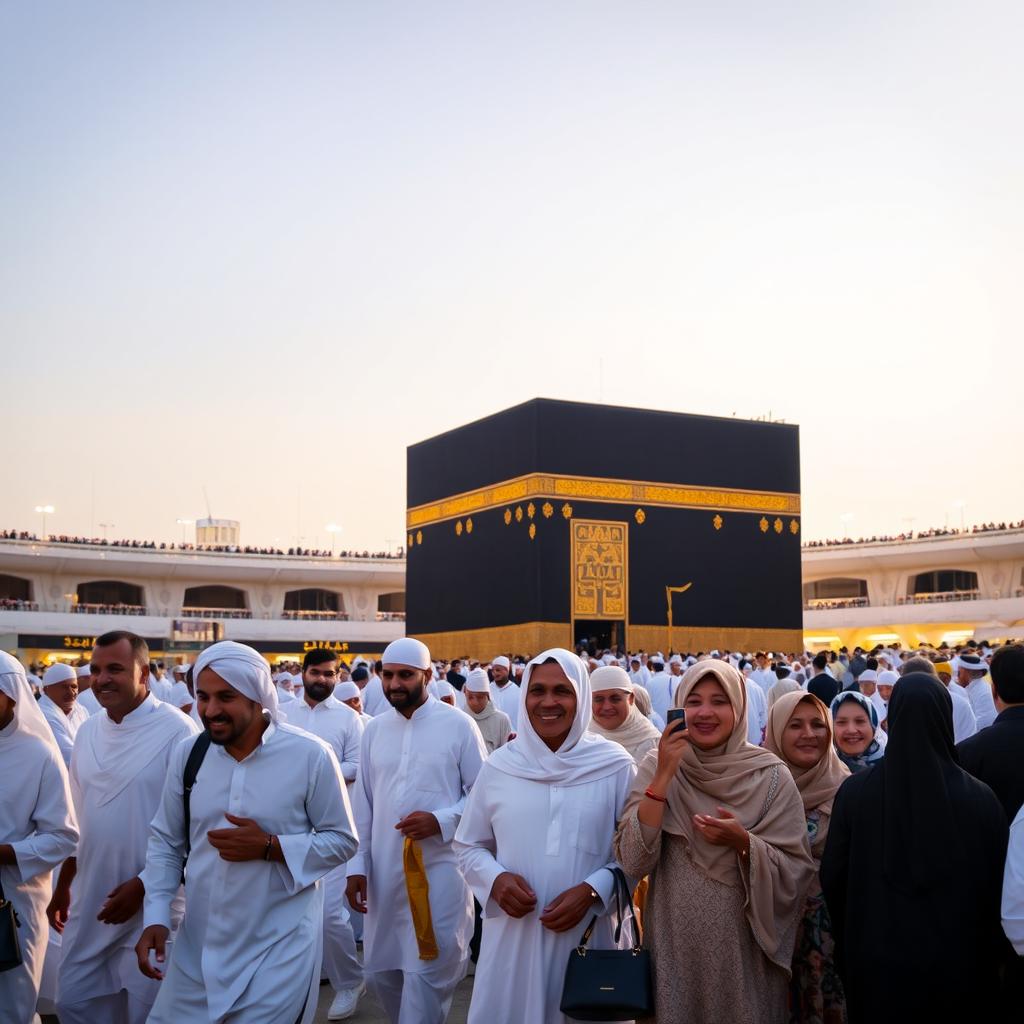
(622, 896)
(192, 765)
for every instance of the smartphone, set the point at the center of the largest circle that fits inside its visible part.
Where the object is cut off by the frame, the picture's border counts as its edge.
(675, 715)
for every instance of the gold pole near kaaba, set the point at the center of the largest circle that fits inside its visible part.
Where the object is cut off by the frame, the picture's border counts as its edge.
(669, 591)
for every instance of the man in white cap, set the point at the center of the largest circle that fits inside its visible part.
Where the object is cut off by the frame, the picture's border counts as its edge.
(349, 693)
(661, 686)
(418, 762)
(118, 767)
(970, 674)
(494, 725)
(268, 818)
(86, 698)
(763, 674)
(319, 712)
(504, 692)
(37, 831)
(60, 708)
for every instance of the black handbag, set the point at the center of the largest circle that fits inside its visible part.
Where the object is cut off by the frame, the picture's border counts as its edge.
(609, 984)
(10, 944)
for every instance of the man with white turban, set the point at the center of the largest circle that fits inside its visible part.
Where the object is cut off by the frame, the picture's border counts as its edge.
(418, 762)
(350, 694)
(37, 831)
(615, 714)
(118, 767)
(60, 707)
(268, 818)
(535, 844)
(971, 672)
(504, 692)
(494, 725)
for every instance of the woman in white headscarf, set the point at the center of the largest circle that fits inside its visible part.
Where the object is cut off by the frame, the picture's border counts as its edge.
(616, 715)
(494, 725)
(38, 831)
(539, 890)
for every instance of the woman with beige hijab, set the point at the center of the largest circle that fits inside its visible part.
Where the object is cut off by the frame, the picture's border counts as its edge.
(616, 715)
(800, 732)
(719, 826)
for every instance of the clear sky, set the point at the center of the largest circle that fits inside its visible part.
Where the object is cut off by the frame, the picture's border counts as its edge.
(262, 247)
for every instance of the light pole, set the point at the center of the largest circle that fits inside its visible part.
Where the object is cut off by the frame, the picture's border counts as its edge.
(333, 529)
(184, 523)
(104, 527)
(44, 511)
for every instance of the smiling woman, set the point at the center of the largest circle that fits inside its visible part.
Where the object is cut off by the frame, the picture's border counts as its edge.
(719, 826)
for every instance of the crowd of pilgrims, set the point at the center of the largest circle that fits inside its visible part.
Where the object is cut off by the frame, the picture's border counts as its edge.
(819, 838)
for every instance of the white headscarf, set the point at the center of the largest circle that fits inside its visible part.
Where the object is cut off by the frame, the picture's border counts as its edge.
(243, 669)
(582, 757)
(636, 734)
(27, 716)
(477, 682)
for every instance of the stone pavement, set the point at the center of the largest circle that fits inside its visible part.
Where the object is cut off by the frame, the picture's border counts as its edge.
(369, 1011)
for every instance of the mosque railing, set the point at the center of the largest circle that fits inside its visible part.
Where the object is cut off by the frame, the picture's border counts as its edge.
(814, 604)
(314, 616)
(940, 597)
(216, 613)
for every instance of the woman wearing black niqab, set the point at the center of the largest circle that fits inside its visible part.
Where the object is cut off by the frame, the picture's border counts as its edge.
(912, 872)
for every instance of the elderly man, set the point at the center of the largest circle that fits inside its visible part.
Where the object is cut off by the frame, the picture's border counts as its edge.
(971, 672)
(267, 819)
(37, 831)
(117, 773)
(60, 706)
(418, 762)
(86, 698)
(505, 692)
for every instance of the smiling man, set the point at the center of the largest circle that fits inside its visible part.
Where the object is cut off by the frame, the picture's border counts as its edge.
(60, 708)
(418, 762)
(117, 774)
(268, 819)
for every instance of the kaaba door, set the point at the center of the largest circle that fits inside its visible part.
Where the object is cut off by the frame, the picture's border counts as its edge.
(599, 635)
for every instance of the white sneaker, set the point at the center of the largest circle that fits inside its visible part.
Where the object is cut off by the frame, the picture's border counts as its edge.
(345, 1003)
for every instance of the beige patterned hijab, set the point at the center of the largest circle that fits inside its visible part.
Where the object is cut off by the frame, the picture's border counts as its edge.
(755, 786)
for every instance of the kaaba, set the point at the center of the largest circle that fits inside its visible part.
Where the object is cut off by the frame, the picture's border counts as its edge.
(552, 523)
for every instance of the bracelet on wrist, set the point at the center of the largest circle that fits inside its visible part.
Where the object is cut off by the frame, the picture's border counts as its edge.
(651, 795)
(268, 848)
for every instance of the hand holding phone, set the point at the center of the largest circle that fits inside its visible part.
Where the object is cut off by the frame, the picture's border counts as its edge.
(676, 715)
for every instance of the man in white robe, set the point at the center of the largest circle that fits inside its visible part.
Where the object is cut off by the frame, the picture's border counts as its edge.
(972, 672)
(60, 706)
(662, 688)
(757, 711)
(417, 763)
(504, 692)
(268, 819)
(86, 698)
(494, 725)
(965, 724)
(535, 844)
(117, 773)
(37, 831)
(763, 674)
(319, 712)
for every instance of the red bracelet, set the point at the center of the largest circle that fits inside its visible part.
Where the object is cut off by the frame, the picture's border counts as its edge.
(654, 796)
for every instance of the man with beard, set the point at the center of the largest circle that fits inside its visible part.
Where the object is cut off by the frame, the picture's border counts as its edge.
(60, 708)
(418, 762)
(505, 693)
(118, 767)
(319, 712)
(248, 948)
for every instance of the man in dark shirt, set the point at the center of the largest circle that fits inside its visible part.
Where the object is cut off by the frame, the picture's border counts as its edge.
(994, 755)
(455, 676)
(822, 685)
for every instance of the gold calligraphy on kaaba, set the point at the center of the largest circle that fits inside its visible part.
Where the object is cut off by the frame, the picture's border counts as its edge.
(600, 568)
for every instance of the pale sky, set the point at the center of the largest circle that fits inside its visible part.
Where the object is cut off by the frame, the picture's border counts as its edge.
(264, 247)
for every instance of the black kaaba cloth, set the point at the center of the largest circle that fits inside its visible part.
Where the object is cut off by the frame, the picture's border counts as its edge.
(553, 522)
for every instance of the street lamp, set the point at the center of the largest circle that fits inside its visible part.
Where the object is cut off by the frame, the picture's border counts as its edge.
(44, 511)
(183, 523)
(333, 529)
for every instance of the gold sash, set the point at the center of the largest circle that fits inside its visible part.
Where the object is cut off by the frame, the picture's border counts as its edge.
(418, 890)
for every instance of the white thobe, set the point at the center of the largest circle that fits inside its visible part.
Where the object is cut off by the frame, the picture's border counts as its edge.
(160, 688)
(117, 776)
(374, 701)
(64, 727)
(506, 698)
(555, 837)
(757, 712)
(662, 688)
(37, 819)
(964, 722)
(427, 762)
(87, 699)
(641, 676)
(248, 949)
(341, 728)
(979, 693)
(764, 677)
(1013, 886)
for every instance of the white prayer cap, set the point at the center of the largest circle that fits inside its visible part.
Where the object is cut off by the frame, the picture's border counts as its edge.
(675, 660)
(972, 663)
(183, 668)
(477, 682)
(444, 688)
(83, 670)
(407, 651)
(501, 661)
(58, 673)
(869, 675)
(886, 678)
(243, 669)
(346, 690)
(611, 677)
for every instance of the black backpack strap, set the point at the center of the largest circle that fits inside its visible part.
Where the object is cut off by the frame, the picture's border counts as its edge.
(195, 759)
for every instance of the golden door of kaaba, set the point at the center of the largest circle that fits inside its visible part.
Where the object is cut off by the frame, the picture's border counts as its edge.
(552, 519)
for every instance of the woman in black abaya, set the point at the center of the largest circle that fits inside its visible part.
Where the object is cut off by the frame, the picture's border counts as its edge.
(912, 871)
